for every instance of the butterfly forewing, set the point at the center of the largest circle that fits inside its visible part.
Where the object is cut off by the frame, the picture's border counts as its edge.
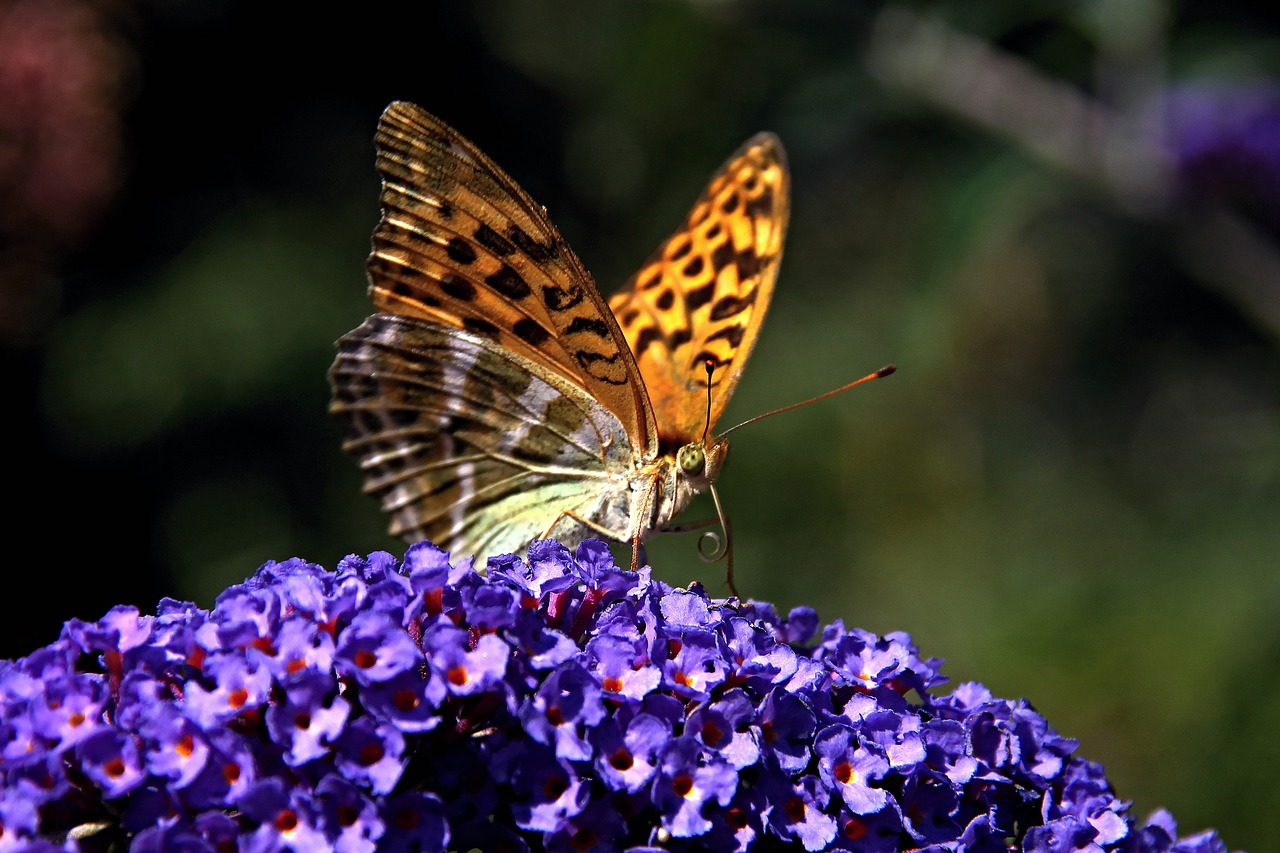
(471, 445)
(461, 244)
(704, 292)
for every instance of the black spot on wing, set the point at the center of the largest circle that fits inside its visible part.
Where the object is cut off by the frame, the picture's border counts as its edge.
(493, 241)
(728, 306)
(748, 262)
(590, 361)
(509, 283)
(699, 296)
(666, 299)
(722, 256)
(590, 326)
(681, 249)
(733, 334)
(647, 337)
(679, 338)
(531, 332)
(480, 326)
(405, 292)
(651, 281)
(537, 252)
(457, 287)
(460, 251)
(559, 299)
(730, 204)
(694, 268)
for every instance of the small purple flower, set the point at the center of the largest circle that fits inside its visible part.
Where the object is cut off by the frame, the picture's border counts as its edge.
(369, 754)
(466, 671)
(375, 648)
(414, 822)
(567, 704)
(626, 759)
(547, 791)
(307, 718)
(228, 773)
(621, 667)
(348, 817)
(786, 726)
(110, 758)
(299, 645)
(848, 769)
(177, 749)
(287, 819)
(409, 701)
(69, 710)
(696, 667)
(1065, 835)
(687, 780)
(799, 811)
(724, 726)
(19, 819)
(240, 684)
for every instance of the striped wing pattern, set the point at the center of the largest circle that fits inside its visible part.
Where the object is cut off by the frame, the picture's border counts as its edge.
(470, 444)
(702, 295)
(462, 245)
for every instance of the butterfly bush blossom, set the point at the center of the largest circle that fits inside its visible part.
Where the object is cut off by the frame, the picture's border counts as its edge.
(558, 703)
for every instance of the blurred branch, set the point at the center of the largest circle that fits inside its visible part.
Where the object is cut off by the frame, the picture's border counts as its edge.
(1076, 134)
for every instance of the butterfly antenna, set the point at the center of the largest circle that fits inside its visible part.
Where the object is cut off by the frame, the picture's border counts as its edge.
(706, 425)
(879, 374)
(721, 548)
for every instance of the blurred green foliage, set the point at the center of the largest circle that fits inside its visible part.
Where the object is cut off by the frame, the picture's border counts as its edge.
(1070, 490)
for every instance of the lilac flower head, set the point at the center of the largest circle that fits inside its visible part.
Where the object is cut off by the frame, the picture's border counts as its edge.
(557, 703)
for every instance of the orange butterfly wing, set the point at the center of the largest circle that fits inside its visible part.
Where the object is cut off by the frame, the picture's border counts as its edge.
(704, 292)
(460, 244)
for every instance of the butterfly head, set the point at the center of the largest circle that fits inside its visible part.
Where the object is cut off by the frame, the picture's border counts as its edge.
(700, 461)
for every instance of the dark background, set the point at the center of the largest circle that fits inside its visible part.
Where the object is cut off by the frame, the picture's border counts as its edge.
(1058, 219)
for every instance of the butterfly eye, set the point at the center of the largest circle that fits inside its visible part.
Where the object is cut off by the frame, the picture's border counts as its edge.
(692, 459)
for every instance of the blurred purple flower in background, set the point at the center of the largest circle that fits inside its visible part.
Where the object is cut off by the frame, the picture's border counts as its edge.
(556, 704)
(1225, 143)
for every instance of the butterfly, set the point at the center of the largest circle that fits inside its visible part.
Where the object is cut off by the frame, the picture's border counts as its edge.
(496, 398)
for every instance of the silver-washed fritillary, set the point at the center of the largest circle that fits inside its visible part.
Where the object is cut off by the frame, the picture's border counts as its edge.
(495, 398)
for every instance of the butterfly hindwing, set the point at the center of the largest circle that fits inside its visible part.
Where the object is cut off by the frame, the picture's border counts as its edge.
(471, 445)
(704, 292)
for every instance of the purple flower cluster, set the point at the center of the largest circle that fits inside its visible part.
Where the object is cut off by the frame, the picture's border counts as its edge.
(558, 704)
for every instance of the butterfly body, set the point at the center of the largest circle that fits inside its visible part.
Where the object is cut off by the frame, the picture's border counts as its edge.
(496, 398)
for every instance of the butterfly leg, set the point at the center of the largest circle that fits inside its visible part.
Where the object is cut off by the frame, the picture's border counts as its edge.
(598, 529)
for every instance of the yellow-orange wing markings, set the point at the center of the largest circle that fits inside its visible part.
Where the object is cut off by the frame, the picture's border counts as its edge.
(703, 294)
